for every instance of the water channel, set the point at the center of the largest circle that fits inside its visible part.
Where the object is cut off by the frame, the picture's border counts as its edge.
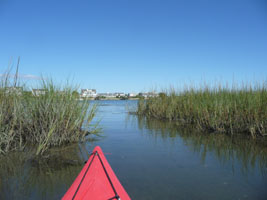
(152, 159)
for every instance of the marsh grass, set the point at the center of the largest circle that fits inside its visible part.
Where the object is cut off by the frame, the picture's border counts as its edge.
(53, 119)
(219, 109)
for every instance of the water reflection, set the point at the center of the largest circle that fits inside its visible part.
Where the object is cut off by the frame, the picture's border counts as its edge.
(250, 153)
(152, 159)
(48, 178)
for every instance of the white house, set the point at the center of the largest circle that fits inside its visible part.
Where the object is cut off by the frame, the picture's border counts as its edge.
(120, 94)
(16, 90)
(148, 94)
(88, 93)
(131, 95)
(38, 92)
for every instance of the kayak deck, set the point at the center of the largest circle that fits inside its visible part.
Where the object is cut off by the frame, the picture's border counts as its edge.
(96, 181)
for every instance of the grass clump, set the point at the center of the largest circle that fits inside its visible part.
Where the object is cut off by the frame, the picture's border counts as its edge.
(218, 109)
(53, 118)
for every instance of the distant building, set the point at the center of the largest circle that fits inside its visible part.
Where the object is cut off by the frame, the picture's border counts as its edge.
(108, 95)
(119, 94)
(101, 94)
(111, 95)
(38, 92)
(131, 95)
(86, 93)
(16, 90)
(148, 94)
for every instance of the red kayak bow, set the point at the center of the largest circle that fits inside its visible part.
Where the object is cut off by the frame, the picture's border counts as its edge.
(96, 181)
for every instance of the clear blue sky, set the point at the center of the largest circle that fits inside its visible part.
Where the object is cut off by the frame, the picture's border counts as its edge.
(136, 45)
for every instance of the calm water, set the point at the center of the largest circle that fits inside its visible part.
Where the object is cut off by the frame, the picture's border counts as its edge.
(152, 159)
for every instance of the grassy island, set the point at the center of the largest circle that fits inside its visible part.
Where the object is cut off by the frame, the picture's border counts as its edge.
(53, 118)
(219, 109)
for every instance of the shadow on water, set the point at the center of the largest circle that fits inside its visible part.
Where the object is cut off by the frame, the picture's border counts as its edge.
(250, 153)
(48, 178)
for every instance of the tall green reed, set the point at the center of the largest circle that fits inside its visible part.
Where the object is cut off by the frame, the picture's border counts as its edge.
(52, 119)
(213, 109)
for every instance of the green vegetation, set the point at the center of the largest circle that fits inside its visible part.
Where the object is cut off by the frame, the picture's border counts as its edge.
(100, 97)
(123, 97)
(223, 110)
(54, 118)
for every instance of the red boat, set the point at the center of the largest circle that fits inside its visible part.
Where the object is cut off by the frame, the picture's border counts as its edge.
(96, 181)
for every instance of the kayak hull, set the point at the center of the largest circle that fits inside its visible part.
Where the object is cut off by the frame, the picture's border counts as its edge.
(96, 181)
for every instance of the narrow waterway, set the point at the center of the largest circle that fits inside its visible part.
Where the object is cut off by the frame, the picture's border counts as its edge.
(152, 159)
